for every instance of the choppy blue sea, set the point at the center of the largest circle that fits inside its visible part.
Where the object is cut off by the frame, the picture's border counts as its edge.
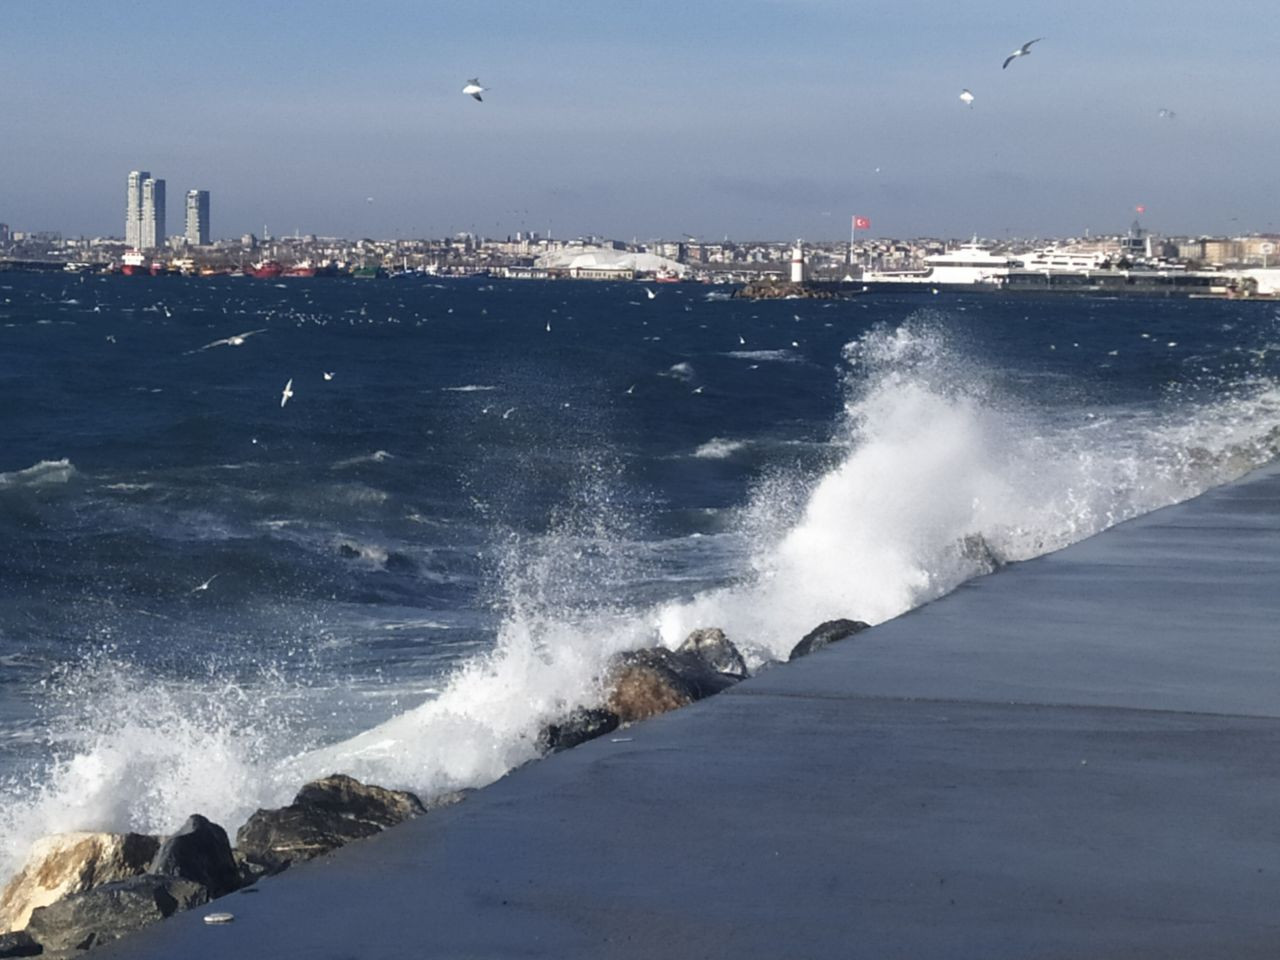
(480, 489)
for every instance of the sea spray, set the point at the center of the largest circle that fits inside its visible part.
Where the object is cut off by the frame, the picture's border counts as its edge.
(932, 448)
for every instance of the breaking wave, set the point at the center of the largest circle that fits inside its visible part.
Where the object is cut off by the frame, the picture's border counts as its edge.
(929, 453)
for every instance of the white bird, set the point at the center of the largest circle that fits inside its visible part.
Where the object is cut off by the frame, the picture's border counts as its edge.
(287, 392)
(205, 585)
(235, 340)
(650, 293)
(631, 389)
(474, 89)
(508, 412)
(548, 326)
(741, 342)
(1022, 51)
(697, 390)
(328, 375)
(967, 97)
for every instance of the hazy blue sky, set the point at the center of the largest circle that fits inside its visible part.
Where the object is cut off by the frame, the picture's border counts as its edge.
(752, 118)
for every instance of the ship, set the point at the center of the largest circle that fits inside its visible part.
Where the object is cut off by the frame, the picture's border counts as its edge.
(265, 270)
(303, 268)
(970, 265)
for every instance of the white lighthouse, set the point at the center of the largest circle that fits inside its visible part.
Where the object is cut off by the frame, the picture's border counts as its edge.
(797, 263)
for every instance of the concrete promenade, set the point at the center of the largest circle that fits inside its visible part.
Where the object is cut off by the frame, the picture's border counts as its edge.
(1076, 757)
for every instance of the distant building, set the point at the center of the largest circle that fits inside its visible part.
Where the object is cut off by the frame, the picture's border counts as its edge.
(133, 209)
(198, 217)
(4, 233)
(153, 207)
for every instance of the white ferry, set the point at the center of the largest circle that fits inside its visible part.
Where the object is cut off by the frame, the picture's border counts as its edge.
(1063, 260)
(968, 265)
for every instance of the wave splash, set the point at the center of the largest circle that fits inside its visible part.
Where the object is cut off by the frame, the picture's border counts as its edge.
(929, 455)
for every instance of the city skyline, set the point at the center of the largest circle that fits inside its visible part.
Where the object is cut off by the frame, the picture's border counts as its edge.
(758, 118)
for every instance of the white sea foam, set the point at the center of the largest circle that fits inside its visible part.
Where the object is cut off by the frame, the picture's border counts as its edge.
(680, 371)
(378, 456)
(41, 474)
(717, 448)
(778, 356)
(469, 388)
(927, 454)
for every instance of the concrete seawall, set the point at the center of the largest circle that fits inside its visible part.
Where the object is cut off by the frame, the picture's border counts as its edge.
(1078, 756)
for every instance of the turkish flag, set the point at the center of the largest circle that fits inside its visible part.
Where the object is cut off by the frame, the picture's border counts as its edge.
(861, 223)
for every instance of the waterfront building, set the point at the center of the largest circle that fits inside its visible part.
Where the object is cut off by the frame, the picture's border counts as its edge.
(198, 217)
(153, 207)
(133, 209)
(4, 233)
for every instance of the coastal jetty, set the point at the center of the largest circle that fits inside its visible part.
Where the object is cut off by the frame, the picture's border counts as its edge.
(790, 290)
(1072, 756)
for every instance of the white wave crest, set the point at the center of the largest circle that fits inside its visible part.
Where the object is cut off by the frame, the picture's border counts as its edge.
(41, 474)
(718, 448)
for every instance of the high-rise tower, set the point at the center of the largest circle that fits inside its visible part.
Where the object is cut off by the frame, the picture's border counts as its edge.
(133, 210)
(153, 233)
(198, 217)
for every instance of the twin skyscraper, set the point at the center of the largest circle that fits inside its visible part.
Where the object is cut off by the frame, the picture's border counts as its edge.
(144, 217)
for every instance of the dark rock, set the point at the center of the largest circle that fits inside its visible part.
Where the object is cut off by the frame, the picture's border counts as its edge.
(583, 724)
(110, 911)
(717, 651)
(645, 683)
(325, 815)
(975, 550)
(824, 634)
(350, 798)
(200, 852)
(19, 944)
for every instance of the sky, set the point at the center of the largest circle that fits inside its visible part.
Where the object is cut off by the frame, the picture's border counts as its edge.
(751, 119)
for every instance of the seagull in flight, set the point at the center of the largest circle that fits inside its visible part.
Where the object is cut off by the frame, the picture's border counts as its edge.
(287, 392)
(1022, 51)
(650, 293)
(236, 340)
(204, 586)
(328, 374)
(967, 97)
(474, 89)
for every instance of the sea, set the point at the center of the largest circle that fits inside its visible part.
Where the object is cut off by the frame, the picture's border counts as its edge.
(479, 490)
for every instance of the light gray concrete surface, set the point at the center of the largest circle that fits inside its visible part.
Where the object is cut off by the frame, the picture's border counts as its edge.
(1076, 757)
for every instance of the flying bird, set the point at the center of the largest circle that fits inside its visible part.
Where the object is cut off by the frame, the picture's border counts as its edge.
(651, 295)
(967, 97)
(474, 89)
(328, 374)
(287, 392)
(1022, 51)
(235, 340)
(204, 586)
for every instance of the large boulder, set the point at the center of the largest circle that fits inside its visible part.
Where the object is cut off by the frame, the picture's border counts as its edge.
(717, 651)
(66, 863)
(111, 911)
(645, 683)
(325, 815)
(825, 634)
(200, 852)
(583, 724)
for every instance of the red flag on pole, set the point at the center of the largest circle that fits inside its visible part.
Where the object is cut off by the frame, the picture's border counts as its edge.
(861, 223)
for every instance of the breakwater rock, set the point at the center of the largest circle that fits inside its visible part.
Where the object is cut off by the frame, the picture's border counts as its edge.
(325, 815)
(785, 290)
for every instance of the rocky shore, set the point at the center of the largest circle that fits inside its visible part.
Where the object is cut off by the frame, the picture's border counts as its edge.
(79, 890)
